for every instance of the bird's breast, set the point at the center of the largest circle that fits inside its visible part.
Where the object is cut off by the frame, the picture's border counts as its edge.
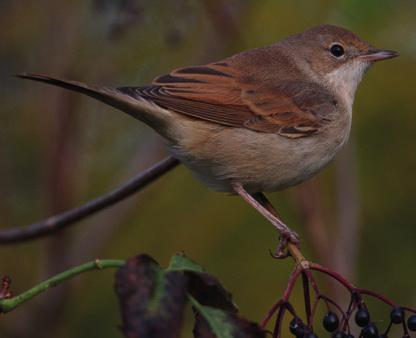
(260, 161)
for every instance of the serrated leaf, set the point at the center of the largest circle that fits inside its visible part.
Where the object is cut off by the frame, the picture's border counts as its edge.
(152, 301)
(216, 323)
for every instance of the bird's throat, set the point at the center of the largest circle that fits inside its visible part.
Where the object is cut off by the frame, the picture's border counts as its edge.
(344, 80)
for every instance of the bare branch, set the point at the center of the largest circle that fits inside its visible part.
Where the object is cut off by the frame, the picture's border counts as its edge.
(57, 222)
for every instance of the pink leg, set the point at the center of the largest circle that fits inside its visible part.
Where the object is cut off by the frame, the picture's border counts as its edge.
(262, 205)
(262, 199)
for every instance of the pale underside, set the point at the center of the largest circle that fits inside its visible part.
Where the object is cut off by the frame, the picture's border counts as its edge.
(219, 155)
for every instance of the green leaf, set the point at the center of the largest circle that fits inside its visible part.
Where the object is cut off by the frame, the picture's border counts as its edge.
(180, 262)
(152, 301)
(216, 323)
(203, 286)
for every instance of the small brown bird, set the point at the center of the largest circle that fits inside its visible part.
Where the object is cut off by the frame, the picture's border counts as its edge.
(261, 120)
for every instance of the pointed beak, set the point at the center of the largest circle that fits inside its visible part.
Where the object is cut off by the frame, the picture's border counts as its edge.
(374, 55)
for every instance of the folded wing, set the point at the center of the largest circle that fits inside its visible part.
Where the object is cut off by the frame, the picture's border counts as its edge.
(221, 94)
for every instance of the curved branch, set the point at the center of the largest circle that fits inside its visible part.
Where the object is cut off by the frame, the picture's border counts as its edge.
(60, 221)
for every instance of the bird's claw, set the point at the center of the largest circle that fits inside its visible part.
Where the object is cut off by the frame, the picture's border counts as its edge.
(281, 251)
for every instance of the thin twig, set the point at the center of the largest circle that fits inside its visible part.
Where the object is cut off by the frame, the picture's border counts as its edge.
(350, 287)
(289, 288)
(314, 307)
(9, 304)
(333, 303)
(343, 281)
(351, 308)
(307, 299)
(57, 222)
(278, 324)
(377, 296)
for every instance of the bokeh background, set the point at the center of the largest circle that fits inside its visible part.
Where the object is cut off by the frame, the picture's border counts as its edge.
(59, 149)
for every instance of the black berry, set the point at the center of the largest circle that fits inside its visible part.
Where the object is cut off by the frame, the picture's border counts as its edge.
(330, 322)
(370, 331)
(362, 317)
(310, 335)
(340, 334)
(397, 315)
(411, 323)
(297, 328)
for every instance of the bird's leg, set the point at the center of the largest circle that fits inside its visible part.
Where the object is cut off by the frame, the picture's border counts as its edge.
(262, 205)
(263, 200)
(281, 250)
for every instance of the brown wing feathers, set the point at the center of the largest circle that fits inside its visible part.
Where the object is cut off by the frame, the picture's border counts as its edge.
(202, 92)
(216, 93)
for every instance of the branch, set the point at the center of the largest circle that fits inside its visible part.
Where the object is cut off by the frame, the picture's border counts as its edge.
(9, 304)
(60, 221)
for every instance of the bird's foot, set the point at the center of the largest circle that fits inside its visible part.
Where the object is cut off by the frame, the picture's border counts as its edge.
(286, 237)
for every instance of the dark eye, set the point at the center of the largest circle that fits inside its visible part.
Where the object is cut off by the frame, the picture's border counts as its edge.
(337, 50)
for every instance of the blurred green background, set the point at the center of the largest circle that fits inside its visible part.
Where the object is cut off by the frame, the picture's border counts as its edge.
(59, 149)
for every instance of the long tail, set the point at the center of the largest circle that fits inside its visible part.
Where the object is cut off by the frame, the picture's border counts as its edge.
(110, 96)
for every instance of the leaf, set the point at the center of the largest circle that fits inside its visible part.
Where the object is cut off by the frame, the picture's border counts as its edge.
(180, 262)
(152, 301)
(205, 288)
(215, 323)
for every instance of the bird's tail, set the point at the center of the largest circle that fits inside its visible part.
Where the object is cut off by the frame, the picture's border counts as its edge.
(136, 107)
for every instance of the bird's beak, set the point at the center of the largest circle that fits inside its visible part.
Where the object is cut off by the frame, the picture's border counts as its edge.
(378, 55)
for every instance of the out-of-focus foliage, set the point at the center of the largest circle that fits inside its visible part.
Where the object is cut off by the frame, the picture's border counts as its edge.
(58, 149)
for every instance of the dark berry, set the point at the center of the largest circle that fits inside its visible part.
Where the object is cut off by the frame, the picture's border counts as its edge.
(397, 315)
(411, 323)
(370, 331)
(330, 322)
(310, 335)
(362, 317)
(339, 334)
(297, 328)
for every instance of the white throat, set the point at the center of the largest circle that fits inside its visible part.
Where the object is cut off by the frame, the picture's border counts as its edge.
(345, 79)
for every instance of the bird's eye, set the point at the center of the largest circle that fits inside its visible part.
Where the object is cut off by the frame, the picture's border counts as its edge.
(337, 50)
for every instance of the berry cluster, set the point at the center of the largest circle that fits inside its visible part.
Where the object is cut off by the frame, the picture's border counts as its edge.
(331, 324)
(336, 320)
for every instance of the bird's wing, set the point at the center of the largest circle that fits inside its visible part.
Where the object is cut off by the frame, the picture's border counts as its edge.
(221, 94)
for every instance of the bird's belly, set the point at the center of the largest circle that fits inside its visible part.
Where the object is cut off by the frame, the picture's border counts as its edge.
(259, 161)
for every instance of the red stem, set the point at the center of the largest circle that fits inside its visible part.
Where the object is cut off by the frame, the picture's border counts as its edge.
(277, 325)
(333, 274)
(291, 284)
(270, 313)
(376, 295)
(289, 288)
(329, 300)
(350, 309)
(350, 287)
(307, 298)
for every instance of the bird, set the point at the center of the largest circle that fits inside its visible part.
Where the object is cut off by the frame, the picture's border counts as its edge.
(259, 121)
